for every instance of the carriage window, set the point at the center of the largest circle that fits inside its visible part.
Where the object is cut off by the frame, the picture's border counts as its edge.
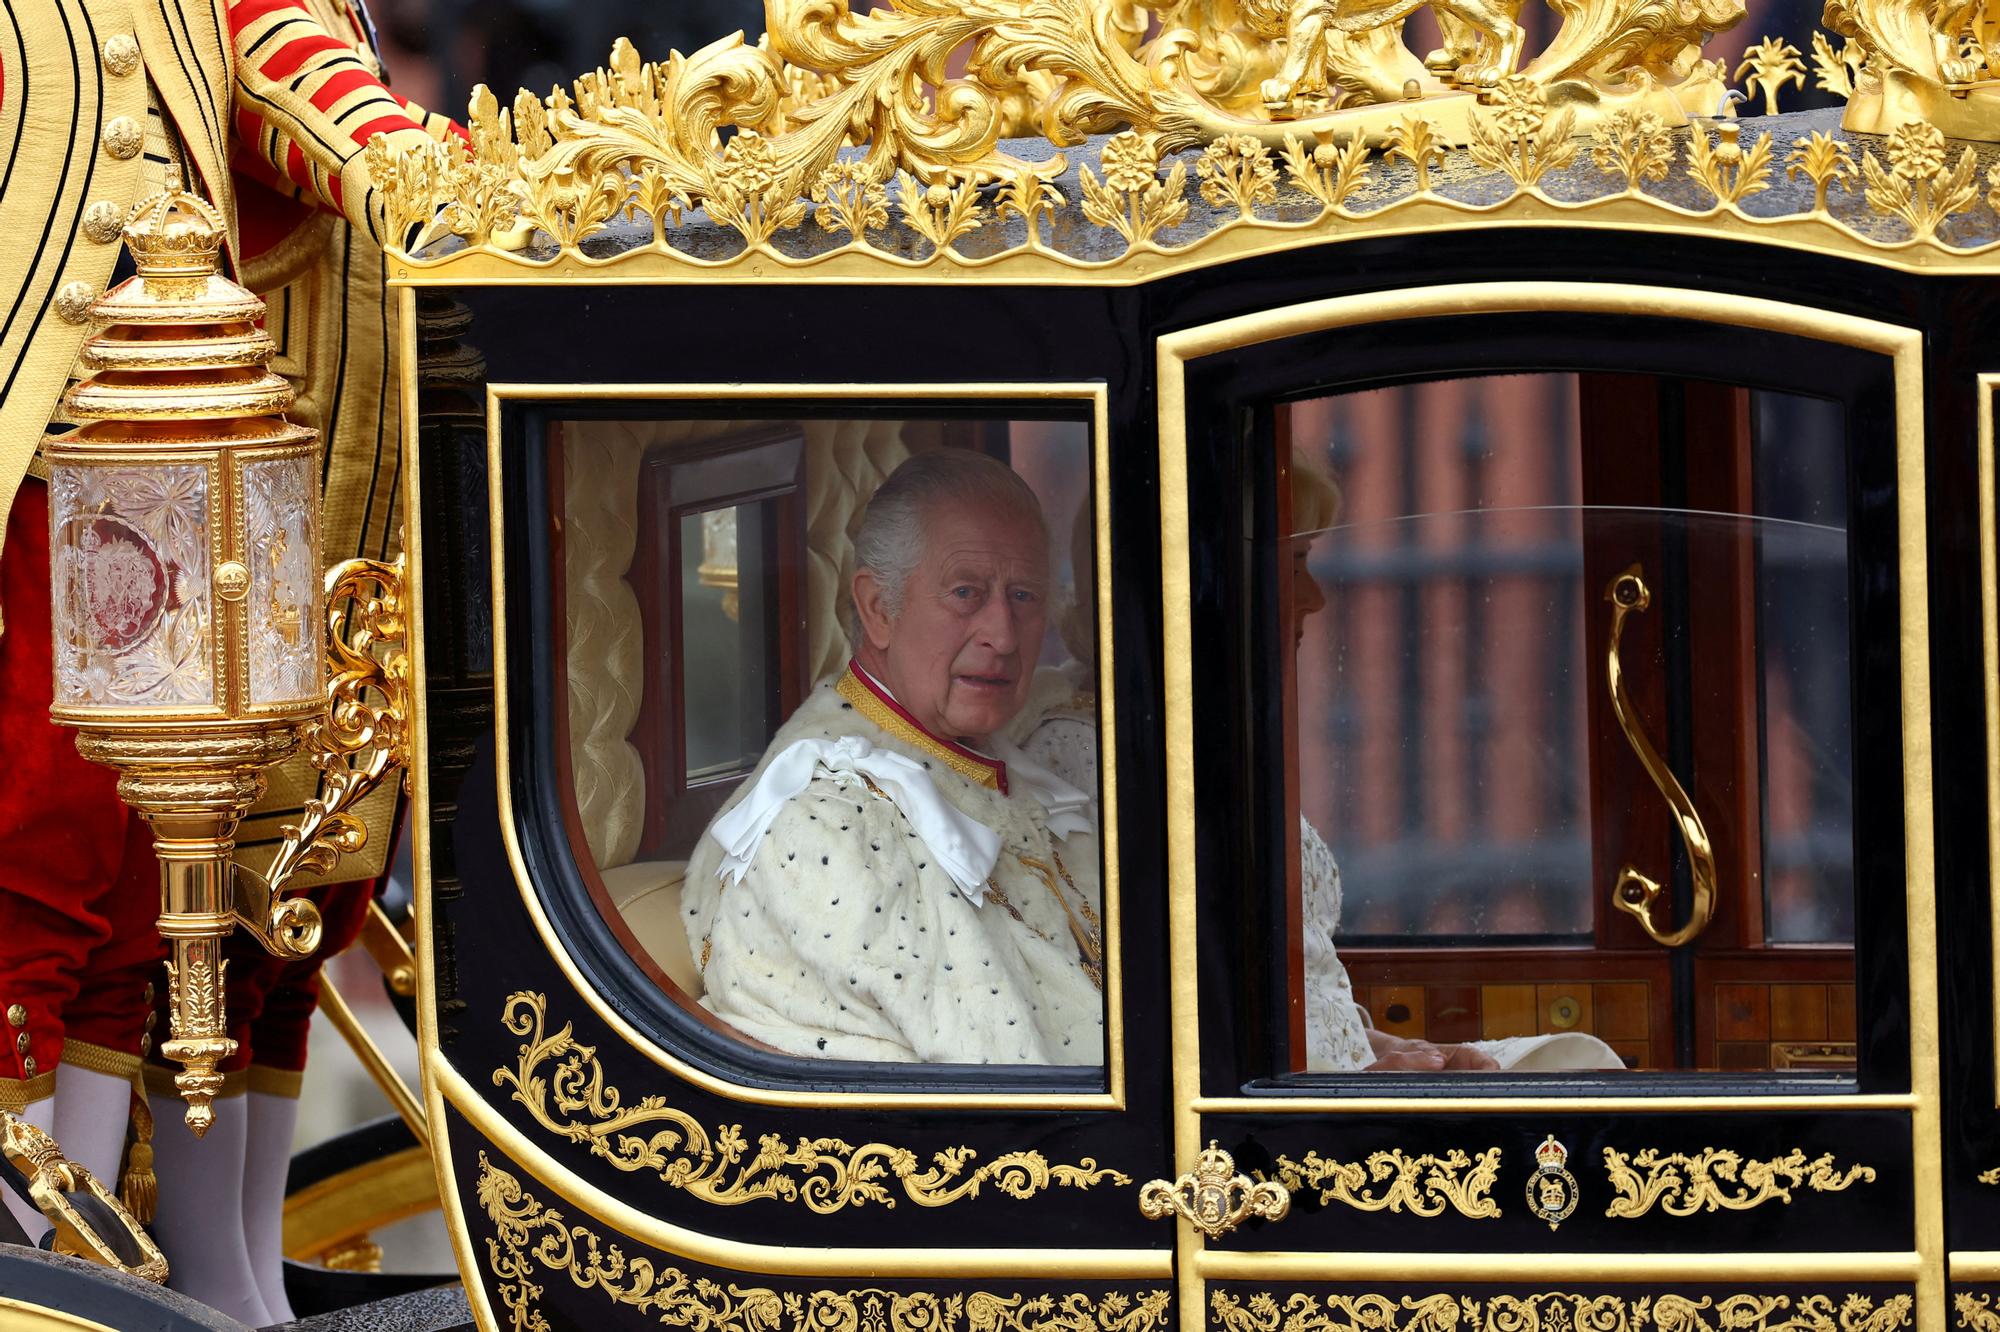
(831, 727)
(1568, 765)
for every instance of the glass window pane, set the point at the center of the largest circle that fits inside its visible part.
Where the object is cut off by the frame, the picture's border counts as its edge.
(1570, 703)
(832, 727)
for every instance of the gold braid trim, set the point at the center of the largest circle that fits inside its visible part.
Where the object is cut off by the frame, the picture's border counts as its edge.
(119, 1064)
(17, 1094)
(980, 772)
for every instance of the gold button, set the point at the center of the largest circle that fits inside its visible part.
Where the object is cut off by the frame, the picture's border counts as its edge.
(232, 580)
(21, 1043)
(146, 1045)
(149, 993)
(123, 138)
(28, 1065)
(152, 1021)
(102, 221)
(74, 300)
(121, 54)
(17, 1015)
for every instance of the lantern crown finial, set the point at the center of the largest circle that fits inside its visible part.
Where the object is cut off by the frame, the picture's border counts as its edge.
(175, 234)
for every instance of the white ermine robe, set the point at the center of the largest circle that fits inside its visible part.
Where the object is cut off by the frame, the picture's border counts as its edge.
(874, 892)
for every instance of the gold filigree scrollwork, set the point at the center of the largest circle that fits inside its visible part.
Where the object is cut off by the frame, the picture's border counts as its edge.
(1554, 1311)
(1975, 1312)
(561, 1084)
(1716, 1178)
(1213, 1198)
(530, 1239)
(361, 739)
(1424, 1184)
(1918, 60)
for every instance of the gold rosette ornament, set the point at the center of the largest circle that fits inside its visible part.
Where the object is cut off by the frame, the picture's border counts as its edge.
(190, 648)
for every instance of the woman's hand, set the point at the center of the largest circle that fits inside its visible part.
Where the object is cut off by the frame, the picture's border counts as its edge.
(1398, 1054)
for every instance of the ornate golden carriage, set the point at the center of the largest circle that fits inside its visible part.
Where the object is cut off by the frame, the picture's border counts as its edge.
(1515, 489)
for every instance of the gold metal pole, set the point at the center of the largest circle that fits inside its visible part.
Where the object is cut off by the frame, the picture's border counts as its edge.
(335, 1007)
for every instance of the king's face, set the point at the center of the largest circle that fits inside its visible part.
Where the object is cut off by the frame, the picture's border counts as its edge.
(961, 652)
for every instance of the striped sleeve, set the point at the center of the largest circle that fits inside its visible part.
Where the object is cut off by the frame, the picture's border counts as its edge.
(307, 104)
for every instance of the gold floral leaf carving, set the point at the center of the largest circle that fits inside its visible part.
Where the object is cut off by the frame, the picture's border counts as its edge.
(533, 1242)
(1716, 1178)
(753, 136)
(1415, 140)
(1990, 1176)
(1835, 72)
(1522, 137)
(849, 196)
(941, 214)
(1237, 169)
(1558, 1312)
(1028, 196)
(1771, 64)
(1822, 159)
(1915, 185)
(1392, 1181)
(1636, 147)
(1723, 167)
(1330, 174)
(1975, 1312)
(1132, 200)
(562, 1086)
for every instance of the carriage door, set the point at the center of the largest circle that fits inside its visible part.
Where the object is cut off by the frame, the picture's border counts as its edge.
(1551, 890)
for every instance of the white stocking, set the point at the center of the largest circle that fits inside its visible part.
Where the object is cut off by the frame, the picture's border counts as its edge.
(42, 1114)
(265, 1166)
(199, 1223)
(92, 1111)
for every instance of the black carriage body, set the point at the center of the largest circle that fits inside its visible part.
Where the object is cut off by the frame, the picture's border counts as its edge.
(576, 1108)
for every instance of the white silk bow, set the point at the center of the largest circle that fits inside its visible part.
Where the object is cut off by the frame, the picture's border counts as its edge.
(965, 848)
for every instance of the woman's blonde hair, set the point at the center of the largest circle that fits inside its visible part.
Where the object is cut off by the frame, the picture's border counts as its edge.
(1315, 494)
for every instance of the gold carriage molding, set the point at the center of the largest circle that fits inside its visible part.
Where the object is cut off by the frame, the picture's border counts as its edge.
(531, 1238)
(561, 1084)
(1238, 125)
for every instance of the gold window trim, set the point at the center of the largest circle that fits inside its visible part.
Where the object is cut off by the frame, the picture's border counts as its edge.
(1095, 398)
(1989, 603)
(1195, 1264)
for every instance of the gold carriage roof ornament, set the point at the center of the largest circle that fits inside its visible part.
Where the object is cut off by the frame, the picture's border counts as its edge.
(840, 147)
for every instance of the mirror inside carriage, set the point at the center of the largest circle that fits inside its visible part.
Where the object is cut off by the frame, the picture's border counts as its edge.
(1569, 720)
(831, 734)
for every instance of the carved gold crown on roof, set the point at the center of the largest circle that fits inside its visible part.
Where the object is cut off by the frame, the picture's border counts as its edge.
(175, 234)
(924, 134)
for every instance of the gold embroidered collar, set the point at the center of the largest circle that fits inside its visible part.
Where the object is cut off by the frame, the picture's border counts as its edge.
(873, 702)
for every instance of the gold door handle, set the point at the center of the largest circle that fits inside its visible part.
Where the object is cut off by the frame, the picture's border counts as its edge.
(1635, 893)
(1214, 1198)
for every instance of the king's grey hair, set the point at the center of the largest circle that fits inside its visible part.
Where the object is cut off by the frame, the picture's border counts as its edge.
(893, 532)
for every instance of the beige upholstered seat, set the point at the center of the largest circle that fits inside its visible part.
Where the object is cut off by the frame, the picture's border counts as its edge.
(845, 462)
